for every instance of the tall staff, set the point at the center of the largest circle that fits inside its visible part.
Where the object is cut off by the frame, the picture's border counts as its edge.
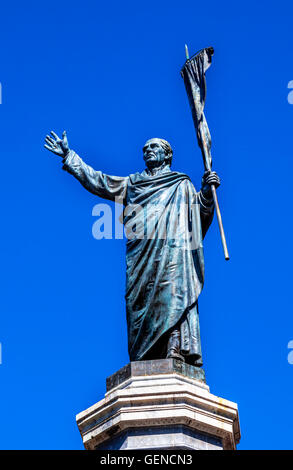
(193, 73)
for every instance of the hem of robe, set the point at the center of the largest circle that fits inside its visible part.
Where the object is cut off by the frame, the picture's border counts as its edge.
(158, 349)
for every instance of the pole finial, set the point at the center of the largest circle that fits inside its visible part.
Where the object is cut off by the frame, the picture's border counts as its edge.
(186, 52)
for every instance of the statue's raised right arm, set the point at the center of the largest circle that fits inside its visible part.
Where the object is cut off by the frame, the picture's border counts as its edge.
(105, 186)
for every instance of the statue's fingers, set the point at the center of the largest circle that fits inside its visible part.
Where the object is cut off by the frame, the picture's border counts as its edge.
(213, 176)
(50, 139)
(55, 135)
(64, 137)
(213, 180)
(48, 147)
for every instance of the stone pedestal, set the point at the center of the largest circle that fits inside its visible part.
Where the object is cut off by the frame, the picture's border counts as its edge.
(160, 404)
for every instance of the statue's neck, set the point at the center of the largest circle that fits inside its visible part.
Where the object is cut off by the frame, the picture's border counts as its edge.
(158, 170)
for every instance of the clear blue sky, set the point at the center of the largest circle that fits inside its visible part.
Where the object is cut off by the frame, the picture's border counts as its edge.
(108, 73)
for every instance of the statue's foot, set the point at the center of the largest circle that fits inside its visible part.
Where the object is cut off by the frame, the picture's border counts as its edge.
(194, 362)
(175, 355)
(198, 363)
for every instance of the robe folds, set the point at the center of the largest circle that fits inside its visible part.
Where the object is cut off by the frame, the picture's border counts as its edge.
(165, 221)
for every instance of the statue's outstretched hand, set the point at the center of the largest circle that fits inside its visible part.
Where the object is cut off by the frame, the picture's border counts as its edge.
(56, 145)
(209, 178)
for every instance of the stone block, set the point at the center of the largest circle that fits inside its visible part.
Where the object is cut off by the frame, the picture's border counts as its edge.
(154, 405)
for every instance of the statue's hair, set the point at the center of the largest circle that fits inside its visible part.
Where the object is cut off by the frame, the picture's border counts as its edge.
(168, 150)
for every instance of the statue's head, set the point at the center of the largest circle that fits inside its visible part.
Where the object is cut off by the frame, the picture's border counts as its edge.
(157, 152)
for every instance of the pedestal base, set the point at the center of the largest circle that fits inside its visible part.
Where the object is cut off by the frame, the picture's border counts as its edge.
(162, 404)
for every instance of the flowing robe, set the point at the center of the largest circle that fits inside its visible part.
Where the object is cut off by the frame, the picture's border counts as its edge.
(166, 220)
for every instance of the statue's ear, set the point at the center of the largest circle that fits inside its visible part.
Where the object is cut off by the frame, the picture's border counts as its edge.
(168, 158)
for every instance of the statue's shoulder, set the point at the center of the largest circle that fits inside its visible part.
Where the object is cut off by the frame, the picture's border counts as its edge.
(136, 177)
(186, 180)
(179, 174)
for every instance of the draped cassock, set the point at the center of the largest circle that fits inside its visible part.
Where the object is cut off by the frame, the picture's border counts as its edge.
(165, 221)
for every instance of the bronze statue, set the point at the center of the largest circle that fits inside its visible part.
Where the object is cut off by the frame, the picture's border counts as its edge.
(165, 271)
(168, 221)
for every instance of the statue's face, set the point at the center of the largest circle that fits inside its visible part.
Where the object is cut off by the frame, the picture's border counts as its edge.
(153, 153)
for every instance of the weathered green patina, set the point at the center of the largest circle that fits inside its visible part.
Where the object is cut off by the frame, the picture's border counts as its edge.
(165, 265)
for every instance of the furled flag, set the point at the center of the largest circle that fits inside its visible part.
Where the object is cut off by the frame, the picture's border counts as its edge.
(193, 73)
